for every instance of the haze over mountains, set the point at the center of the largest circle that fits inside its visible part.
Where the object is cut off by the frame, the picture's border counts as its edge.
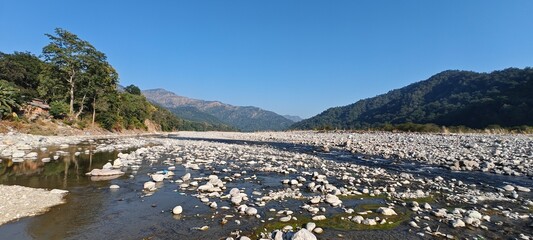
(246, 118)
(449, 98)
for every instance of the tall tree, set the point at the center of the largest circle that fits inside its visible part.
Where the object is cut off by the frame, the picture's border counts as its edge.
(74, 62)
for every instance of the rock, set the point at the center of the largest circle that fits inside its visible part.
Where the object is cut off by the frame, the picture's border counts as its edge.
(458, 223)
(522, 189)
(251, 211)
(413, 224)
(150, 186)
(318, 230)
(177, 210)
(369, 222)
(18, 154)
(474, 214)
(333, 200)
(310, 226)
(114, 186)
(186, 177)
(508, 188)
(244, 238)
(358, 219)
(315, 200)
(158, 177)
(104, 172)
(107, 166)
(285, 219)
(318, 218)
(303, 234)
(213, 205)
(386, 211)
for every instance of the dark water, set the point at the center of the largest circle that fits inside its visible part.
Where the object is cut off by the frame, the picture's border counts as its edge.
(93, 211)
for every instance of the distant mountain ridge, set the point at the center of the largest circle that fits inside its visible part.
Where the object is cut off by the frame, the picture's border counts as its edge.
(293, 118)
(450, 98)
(243, 118)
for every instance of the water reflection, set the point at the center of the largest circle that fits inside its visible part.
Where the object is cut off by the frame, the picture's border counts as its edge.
(68, 170)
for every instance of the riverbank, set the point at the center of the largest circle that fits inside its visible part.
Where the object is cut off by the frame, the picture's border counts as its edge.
(507, 154)
(18, 202)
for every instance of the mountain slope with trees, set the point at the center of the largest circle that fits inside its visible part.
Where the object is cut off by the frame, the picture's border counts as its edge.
(243, 118)
(450, 98)
(75, 80)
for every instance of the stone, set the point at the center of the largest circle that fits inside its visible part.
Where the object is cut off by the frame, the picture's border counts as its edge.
(310, 226)
(251, 211)
(333, 200)
(508, 188)
(186, 177)
(522, 189)
(177, 210)
(474, 214)
(303, 234)
(114, 186)
(158, 177)
(285, 219)
(369, 222)
(358, 219)
(149, 186)
(386, 211)
(458, 223)
(318, 218)
(315, 200)
(318, 230)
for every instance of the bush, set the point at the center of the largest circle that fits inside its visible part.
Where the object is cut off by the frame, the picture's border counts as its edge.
(59, 109)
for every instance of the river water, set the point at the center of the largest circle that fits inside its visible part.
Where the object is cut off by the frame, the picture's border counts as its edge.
(93, 211)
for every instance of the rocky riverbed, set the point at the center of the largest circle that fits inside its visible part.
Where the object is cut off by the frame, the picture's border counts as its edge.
(307, 185)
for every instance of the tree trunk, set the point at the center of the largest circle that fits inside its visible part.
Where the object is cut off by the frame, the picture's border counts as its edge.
(94, 110)
(71, 82)
(81, 108)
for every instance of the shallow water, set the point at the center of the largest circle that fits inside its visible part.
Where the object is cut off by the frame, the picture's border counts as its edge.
(93, 211)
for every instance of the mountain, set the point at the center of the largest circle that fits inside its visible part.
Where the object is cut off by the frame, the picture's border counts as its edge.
(450, 98)
(243, 118)
(293, 118)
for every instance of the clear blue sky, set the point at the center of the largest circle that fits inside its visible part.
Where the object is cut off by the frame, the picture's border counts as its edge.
(291, 57)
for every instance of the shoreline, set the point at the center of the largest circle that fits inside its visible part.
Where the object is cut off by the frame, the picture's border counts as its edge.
(17, 202)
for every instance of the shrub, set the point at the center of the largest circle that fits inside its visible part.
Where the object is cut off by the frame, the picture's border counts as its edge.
(59, 109)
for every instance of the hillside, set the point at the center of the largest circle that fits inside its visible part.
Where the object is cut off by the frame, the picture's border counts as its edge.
(243, 118)
(450, 98)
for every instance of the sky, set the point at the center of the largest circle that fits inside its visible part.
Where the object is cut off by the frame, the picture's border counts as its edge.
(288, 56)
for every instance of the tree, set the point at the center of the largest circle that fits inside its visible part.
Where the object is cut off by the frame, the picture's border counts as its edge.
(132, 89)
(8, 99)
(74, 62)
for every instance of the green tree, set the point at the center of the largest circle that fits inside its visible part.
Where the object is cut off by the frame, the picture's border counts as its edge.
(8, 99)
(73, 62)
(132, 89)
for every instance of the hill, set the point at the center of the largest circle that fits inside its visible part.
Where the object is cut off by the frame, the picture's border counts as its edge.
(243, 118)
(450, 98)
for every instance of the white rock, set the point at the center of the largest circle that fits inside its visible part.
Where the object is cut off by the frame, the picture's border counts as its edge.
(310, 226)
(303, 234)
(149, 186)
(386, 211)
(251, 211)
(177, 210)
(186, 177)
(158, 177)
(508, 188)
(458, 223)
(318, 218)
(114, 186)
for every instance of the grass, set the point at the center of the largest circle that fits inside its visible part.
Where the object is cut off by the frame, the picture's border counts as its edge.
(341, 221)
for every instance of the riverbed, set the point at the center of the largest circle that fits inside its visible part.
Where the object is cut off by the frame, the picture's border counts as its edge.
(258, 170)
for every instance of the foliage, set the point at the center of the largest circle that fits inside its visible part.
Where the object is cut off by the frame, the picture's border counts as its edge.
(21, 69)
(58, 109)
(132, 89)
(77, 67)
(450, 98)
(8, 99)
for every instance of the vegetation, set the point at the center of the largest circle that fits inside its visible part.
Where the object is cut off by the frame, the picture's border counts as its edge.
(80, 87)
(455, 99)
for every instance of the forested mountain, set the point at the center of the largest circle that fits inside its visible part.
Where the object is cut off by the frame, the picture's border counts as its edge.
(450, 98)
(242, 118)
